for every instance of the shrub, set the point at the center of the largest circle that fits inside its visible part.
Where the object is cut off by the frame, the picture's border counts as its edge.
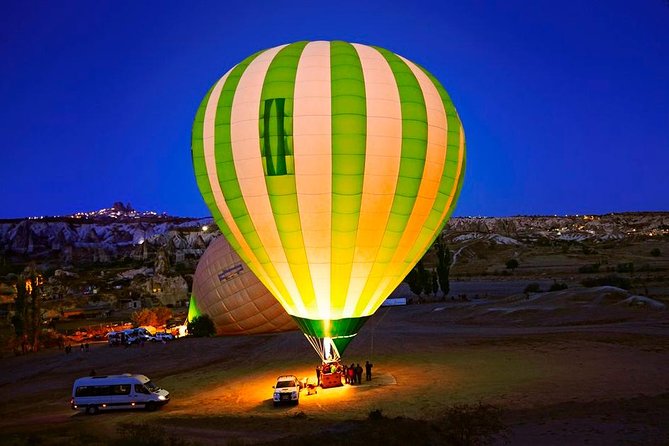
(375, 415)
(146, 435)
(625, 267)
(557, 286)
(468, 424)
(533, 287)
(589, 269)
(511, 264)
(201, 326)
(655, 252)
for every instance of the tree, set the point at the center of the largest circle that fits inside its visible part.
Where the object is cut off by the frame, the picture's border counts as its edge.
(163, 314)
(27, 319)
(144, 317)
(443, 265)
(423, 277)
(20, 308)
(511, 264)
(419, 279)
(655, 252)
(201, 326)
(413, 282)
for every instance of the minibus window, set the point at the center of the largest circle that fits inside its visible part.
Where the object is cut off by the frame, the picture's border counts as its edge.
(94, 390)
(122, 389)
(141, 389)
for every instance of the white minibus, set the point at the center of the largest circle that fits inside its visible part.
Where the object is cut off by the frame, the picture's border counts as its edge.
(95, 393)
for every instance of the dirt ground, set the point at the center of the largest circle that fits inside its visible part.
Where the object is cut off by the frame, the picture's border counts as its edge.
(555, 383)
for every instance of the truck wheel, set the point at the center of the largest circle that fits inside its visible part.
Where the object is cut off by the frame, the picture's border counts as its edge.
(92, 410)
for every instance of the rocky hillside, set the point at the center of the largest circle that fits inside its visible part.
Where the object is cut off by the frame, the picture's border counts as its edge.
(109, 235)
(120, 233)
(579, 228)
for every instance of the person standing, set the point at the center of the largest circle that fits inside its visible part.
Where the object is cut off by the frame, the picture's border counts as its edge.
(368, 370)
(318, 375)
(351, 374)
(358, 374)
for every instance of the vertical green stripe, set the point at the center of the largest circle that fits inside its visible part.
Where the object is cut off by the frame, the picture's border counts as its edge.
(435, 222)
(279, 85)
(200, 168)
(227, 177)
(412, 164)
(414, 149)
(349, 129)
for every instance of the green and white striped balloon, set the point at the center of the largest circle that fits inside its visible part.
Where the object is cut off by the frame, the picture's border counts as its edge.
(330, 167)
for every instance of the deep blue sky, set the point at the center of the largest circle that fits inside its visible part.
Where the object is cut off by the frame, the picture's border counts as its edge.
(565, 104)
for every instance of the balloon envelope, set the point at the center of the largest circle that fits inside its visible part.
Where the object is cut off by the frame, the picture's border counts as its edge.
(330, 167)
(226, 290)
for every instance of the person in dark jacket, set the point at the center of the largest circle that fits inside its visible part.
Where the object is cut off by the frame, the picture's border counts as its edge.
(318, 375)
(358, 373)
(368, 370)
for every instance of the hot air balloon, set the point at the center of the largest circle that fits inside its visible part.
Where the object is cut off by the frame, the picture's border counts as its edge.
(330, 167)
(226, 290)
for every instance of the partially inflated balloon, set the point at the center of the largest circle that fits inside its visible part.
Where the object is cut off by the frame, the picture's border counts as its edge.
(330, 167)
(226, 290)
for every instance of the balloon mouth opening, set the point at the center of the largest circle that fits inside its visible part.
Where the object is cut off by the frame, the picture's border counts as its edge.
(329, 338)
(325, 348)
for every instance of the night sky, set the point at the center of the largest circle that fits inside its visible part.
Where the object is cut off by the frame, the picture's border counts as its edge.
(565, 104)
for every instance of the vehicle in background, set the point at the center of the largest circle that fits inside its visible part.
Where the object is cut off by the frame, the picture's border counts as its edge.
(286, 390)
(128, 337)
(159, 337)
(95, 393)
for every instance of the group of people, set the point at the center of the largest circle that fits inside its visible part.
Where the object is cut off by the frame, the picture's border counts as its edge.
(84, 347)
(352, 374)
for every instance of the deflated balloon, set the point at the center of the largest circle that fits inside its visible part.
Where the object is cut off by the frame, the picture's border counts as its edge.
(226, 290)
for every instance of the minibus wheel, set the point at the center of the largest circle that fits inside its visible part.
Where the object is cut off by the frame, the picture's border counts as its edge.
(92, 410)
(150, 406)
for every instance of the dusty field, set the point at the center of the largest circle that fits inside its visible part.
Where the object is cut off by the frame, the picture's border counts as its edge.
(556, 383)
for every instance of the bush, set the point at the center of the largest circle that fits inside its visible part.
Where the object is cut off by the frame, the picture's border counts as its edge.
(146, 435)
(376, 414)
(610, 280)
(201, 326)
(467, 424)
(533, 287)
(655, 252)
(511, 264)
(557, 286)
(589, 269)
(625, 267)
